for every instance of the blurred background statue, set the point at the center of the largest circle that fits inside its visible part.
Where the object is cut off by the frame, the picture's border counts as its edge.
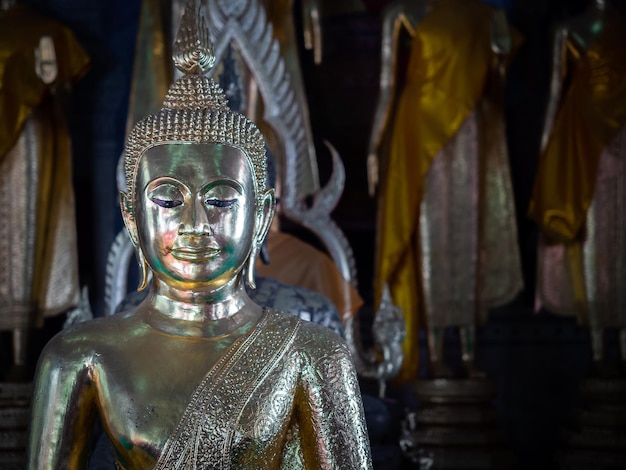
(39, 58)
(447, 241)
(580, 190)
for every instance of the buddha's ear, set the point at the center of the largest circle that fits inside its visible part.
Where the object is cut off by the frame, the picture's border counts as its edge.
(129, 219)
(131, 228)
(266, 211)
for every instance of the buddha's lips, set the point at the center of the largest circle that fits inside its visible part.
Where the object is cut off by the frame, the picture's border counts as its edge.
(196, 255)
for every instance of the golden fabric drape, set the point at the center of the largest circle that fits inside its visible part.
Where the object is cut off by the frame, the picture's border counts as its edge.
(592, 113)
(40, 277)
(20, 87)
(450, 58)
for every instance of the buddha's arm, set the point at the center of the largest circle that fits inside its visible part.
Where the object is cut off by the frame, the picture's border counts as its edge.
(312, 29)
(395, 18)
(63, 411)
(556, 83)
(332, 424)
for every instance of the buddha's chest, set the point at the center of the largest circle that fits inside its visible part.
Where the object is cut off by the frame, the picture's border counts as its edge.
(144, 391)
(236, 405)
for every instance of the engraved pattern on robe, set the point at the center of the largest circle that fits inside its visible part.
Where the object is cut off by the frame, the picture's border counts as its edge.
(468, 234)
(284, 397)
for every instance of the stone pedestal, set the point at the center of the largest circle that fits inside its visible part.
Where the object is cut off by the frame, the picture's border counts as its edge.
(14, 419)
(455, 427)
(597, 437)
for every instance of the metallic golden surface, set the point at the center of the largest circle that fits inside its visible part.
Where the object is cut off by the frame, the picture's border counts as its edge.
(198, 376)
(447, 241)
(256, 70)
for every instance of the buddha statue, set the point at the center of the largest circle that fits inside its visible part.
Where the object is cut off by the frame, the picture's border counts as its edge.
(198, 375)
(292, 260)
(579, 193)
(39, 61)
(446, 237)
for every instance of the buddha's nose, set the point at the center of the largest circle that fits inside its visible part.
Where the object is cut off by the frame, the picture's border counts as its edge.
(195, 220)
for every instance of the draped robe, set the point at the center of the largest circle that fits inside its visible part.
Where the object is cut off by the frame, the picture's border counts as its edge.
(447, 239)
(283, 396)
(580, 189)
(39, 276)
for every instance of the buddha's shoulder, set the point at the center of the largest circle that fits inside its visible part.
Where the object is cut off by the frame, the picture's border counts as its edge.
(91, 337)
(308, 337)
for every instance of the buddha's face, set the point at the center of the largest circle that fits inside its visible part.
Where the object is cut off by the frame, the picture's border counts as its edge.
(195, 213)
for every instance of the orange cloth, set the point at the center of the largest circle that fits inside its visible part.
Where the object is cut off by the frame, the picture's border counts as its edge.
(20, 87)
(450, 59)
(593, 112)
(295, 262)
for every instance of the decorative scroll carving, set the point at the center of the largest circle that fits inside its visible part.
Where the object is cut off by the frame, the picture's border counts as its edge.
(245, 24)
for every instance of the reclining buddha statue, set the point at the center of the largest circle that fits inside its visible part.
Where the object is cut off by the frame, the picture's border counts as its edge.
(198, 375)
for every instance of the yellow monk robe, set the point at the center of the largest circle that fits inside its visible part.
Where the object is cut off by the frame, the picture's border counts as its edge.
(592, 113)
(21, 89)
(450, 59)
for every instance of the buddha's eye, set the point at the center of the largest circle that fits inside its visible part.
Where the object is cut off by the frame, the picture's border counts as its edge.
(167, 196)
(220, 202)
(221, 195)
(165, 203)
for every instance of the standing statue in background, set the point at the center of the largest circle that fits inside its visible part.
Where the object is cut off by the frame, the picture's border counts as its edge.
(39, 276)
(447, 239)
(579, 198)
(198, 376)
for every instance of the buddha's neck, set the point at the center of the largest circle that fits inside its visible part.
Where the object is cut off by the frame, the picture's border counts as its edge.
(198, 305)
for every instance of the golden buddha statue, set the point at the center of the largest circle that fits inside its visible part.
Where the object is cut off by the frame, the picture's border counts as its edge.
(39, 60)
(198, 376)
(579, 192)
(447, 238)
(294, 261)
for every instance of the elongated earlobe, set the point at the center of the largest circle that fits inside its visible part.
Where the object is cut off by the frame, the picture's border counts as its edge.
(250, 270)
(143, 270)
(263, 221)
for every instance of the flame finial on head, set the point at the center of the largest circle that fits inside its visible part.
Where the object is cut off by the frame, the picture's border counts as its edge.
(193, 49)
(195, 109)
